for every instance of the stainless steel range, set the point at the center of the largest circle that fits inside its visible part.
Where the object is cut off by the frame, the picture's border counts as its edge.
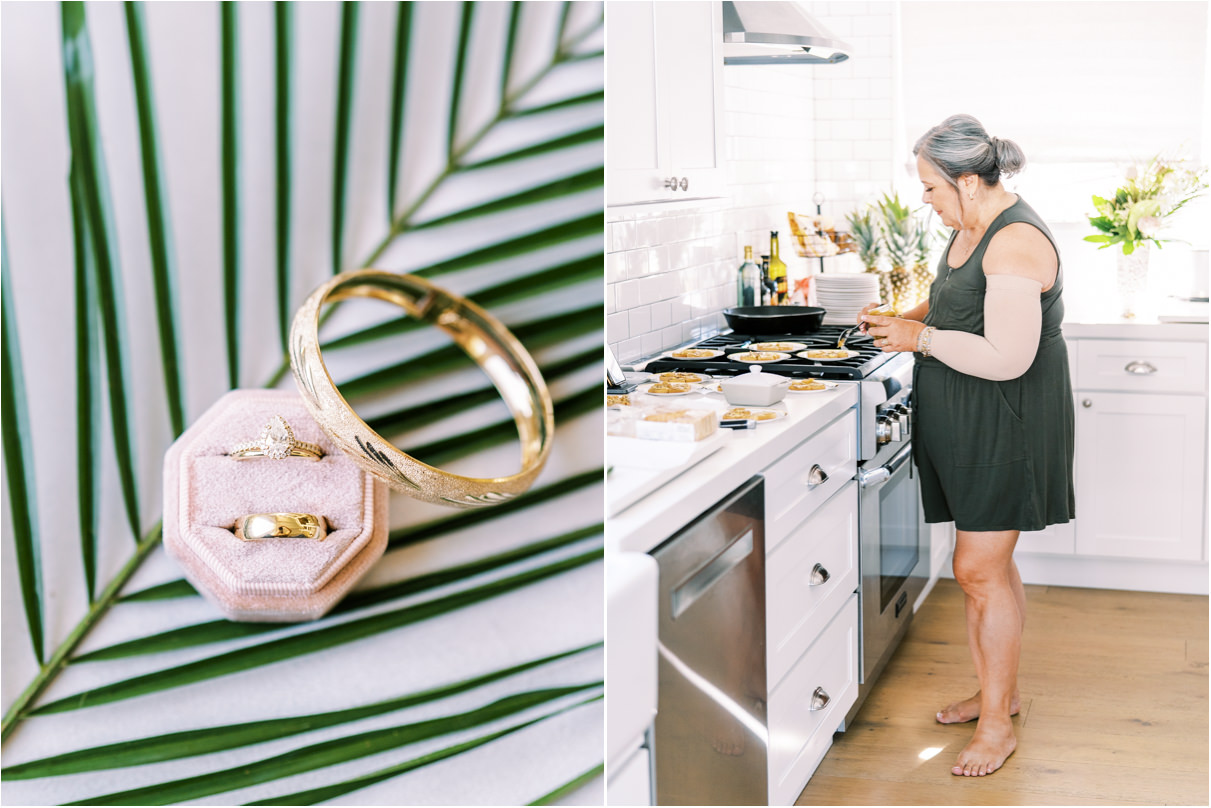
(894, 552)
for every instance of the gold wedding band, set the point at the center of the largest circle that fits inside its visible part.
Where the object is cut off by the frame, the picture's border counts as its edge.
(262, 526)
(277, 443)
(482, 336)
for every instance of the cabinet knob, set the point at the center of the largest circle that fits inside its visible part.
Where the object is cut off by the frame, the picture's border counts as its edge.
(820, 699)
(816, 476)
(685, 183)
(1140, 368)
(819, 575)
(671, 183)
(1087, 403)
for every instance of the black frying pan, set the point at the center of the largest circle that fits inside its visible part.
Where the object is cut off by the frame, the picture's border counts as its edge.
(765, 320)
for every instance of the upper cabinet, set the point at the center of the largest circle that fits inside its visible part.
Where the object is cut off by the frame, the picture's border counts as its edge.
(664, 109)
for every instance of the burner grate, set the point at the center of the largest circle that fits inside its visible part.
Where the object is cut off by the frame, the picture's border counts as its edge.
(859, 367)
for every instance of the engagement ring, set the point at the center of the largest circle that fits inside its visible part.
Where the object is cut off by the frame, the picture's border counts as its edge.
(277, 443)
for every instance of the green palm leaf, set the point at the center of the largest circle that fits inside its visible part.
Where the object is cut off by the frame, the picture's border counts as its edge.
(84, 137)
(88, 382)
(193, 743)
(283, 39)
(19, 462)
(312, 796)
(512, 217)
(158, 235)
(553, 797)
(230, 139)
(330, 753)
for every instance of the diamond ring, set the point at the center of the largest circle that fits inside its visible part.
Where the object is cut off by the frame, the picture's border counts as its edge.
(261, 526)
(277, 443)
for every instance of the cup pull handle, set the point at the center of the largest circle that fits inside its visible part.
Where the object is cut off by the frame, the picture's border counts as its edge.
(816, 476)
(819, 575)
(1140, 368)
(820, 699)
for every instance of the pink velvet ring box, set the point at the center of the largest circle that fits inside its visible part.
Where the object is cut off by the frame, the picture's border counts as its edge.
(206, 491)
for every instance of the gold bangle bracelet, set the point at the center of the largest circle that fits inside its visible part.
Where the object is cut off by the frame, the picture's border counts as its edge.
(263, 526)
(485, 339)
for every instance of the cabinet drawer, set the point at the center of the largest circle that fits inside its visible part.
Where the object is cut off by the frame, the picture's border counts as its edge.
(795, 608)
(790, 493)
(798, 735)
(1137, 366)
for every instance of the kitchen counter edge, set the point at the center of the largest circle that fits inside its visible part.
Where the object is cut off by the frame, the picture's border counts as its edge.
(662, 513)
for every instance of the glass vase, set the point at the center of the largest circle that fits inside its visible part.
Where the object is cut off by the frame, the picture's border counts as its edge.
(1133, 280)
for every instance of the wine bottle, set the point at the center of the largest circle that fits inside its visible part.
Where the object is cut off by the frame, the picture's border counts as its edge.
(777, 270)
(748, 281)
(767, 285)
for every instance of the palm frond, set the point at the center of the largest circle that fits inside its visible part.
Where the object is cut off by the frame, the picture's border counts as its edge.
(158, 235)
(84, 137)
(399, 94)
(283, 56)
(19, 463)
(192, 743)
(344, 122)
(229, 122)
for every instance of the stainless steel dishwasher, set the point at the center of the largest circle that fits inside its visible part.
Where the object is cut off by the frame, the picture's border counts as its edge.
(711, 741)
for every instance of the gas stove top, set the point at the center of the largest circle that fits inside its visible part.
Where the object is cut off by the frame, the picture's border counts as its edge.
(869, 357)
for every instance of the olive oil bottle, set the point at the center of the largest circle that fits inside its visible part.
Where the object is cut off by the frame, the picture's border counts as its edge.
(748, 281)
(777, 271)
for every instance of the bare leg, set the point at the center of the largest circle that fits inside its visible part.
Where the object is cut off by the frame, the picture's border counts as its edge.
(969, 709)
(983, 566)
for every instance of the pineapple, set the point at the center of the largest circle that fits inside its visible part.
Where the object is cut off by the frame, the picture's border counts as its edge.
(865, 232)
(898, 241)
(923, 240)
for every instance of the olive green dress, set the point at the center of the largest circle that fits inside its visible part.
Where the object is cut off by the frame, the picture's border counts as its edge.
(994, 455)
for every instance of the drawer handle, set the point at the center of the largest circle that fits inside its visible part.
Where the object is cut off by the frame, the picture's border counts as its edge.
(817, 476)
(1140, 368)
(820, 699)
(819, 575)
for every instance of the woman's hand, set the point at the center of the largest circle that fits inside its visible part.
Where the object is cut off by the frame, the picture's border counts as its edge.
(892, 333)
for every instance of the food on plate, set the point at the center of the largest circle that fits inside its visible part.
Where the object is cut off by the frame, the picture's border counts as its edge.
(756, 356)
(677, 376)
(808, 384)
(693, 353)
(618, 401)
(827, 353)
(668, 388)
(775, 346)
(747, 414)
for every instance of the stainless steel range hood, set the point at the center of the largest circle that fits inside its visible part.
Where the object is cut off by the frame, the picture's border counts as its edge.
(776, 33)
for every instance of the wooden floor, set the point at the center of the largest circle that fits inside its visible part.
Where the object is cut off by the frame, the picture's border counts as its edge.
(1114, 708)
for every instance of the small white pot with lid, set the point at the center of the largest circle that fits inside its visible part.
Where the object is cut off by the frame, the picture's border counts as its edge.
(755, 389)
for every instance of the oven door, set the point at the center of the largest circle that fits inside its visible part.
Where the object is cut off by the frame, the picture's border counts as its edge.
(893, 556)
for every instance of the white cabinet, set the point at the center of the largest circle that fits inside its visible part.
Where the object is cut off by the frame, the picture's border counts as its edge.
(664, 110)
(1141, 470)
(811, 574)
(1142, 484)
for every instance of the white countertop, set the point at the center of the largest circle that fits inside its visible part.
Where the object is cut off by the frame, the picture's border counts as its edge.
(660, 514)
(1154, 323)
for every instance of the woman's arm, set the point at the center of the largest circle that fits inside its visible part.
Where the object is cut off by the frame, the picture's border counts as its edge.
(918, 312)
(1019, 264)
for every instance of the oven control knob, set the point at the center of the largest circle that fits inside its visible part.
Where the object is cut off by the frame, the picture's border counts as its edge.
(905, 413)
(897, 429)
(882, 430)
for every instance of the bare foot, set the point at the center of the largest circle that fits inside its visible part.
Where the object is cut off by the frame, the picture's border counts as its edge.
(988, 749)
(969, 710)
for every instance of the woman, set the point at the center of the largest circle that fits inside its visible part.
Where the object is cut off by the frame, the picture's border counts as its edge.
(993, 417)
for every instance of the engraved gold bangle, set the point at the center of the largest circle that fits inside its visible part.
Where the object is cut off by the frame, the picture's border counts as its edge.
(485, 340)
(265, 526)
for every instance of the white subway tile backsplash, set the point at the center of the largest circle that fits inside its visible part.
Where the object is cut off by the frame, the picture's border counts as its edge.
(615, 267)
(853, 129)
(637, 263)
(670, 337)
(640, 320)
(650, 290)
(662, 314)
(618, 326)
(629, 350)
(627, 294)
(652, 343)
(610, 305)
(835, 109)
(658, 259)
(871, 149)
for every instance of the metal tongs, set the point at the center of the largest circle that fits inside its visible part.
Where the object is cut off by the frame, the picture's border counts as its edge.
(845, 335)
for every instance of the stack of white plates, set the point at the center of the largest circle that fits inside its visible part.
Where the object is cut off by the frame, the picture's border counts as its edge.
(843, 295)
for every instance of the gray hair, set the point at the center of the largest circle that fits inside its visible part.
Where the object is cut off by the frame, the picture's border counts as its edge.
(960, 145)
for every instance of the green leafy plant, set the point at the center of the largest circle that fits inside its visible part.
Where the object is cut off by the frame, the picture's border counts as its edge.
(1136, 212)
(548, 222)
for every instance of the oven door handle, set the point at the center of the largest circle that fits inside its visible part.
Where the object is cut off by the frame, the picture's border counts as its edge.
(874, 477)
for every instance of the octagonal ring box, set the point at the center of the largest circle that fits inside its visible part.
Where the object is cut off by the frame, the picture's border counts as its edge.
(206, 490)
